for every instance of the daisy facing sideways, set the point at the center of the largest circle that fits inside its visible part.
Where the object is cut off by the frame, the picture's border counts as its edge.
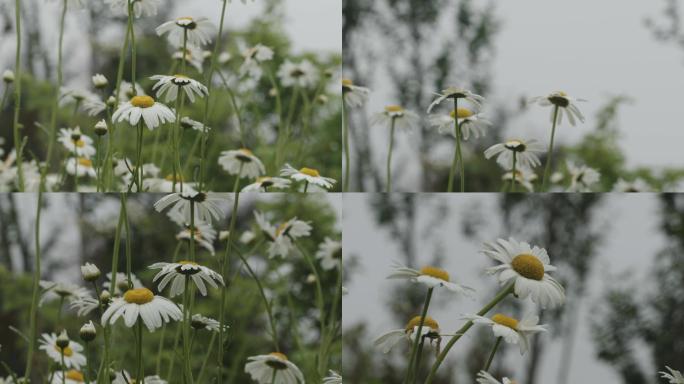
(485, 378)
(262, 184)
(674, 377)
(307, 175)
(302, 74)
(207, 206)
(330, 253)
(154, 311)
(430, 276)
(57, 290)
(171, 85)
(354, 95)
(80, 167)
(243, 162)
(456, 93)
(332, 378)
(564, 104)
(177, 273)
(153, 114)
(72, 376)
(273, 368)
(140, 7)
(582, 178)
(402, 119)
(430, 331)
(512, 330)
(525, 153)
(526, 267)
(281, 237)
(198, 31)
(469, 121)
(76, 142)
(73, 358)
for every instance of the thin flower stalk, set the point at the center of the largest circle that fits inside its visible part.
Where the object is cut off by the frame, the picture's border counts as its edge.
(547, 169)
(388, 188)
(513, 174)
(36, 289)
(17, 91)
(345, 139)
(503, 293)
(491, 355)
(418, 341)
(458, 155)
(140, 372)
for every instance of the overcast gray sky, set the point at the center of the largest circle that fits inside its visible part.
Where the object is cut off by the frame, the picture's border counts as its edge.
(630, 243)
(589, 49)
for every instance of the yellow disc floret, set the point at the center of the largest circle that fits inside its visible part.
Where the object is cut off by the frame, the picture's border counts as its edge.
(186, 262)
(347, 83)
(310, 172)
(138, 296)
(462, 113)
(85, 162)
(505, 321)
(435, 272)
(279, 363)
(68, 352)
(80, 143)
(528, 266)
(429, 322)
(142, 101)
(75, 375)
(394, 109)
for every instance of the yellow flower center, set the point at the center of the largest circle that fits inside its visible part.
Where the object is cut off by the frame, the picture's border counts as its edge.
(68, 352)
(394, 109)
(138, 296)
(347, 82)
(310, 172)
(74, 375)
(170, 177)
(80, 143)
(515, 145)
(142, 101)
(561, 93)
(461, 113)
(529, 266)
(429, 323)
(281, 228)
(505, 321)
(279, 355)
(559, 99)
(279, 363)
(435, 272)
(85, 162)
(265, 181)
(186, 262)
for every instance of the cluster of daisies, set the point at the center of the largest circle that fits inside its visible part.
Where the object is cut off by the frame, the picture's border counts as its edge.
(517, 157)
(94, 159)
(123, 298)
(522, 270)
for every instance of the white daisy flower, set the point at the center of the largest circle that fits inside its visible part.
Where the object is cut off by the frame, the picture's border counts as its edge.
(638, 185)
(526, 267)
(170, 85)
(198, 31)
(83, 305)
(525, 153)
(523, 176)
(176, 274)
(485, 378)
(127, 92)
(201, 322)
(674, 377)
(430, 330)
(187, 122)
(512, 330)
(253, 57)
(123, 377)
(208, 206)
(302, 74)
(140, 7)
(330, 253)
(166, 184)
(241, 161)
(121, 283)
(72, 376)
(308, 175)
(429, 276)
(354, 95)
(153, 113)
(193, 55)
(80, 167)
(153, 310)
(582, 177)
(332, 378)
(76, 142)
(565, 105)
(86, 100)
(261, 184)
(456, 93)
(281, 237)
(53, 291)
(261, 368)
(73, 358)
(468, 120)
(403, 119)
(205, 235)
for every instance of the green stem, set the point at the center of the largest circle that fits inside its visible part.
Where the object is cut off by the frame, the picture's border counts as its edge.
(61, 352)
(457, 150)
(389, 158)
(186, 331)
(133, 44)
(98, 166)
(320, 303)
(17, 94)
(414, 348)
(440, 358)
(88, 356)
(140, 373)
(513, 174)
(491, 355)
(345, 138)
(127, 225)
(122, 59)
(192, 230)
(206, 357)
(547, 169)
(36, 289)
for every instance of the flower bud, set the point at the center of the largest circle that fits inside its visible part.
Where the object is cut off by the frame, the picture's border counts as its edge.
(63, 340)
(105, 296)
(122, 285)
(101, 128)
(111, 101)
(99, 81)
(90, 272)
(8, 76)
(224, 57)
(310, 279)
(88, 332)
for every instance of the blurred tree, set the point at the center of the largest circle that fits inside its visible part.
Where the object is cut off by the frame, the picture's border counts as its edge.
(632, 322)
